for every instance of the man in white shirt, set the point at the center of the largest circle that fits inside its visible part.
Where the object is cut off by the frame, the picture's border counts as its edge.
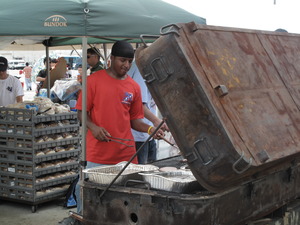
(11, 90)
(149, 151)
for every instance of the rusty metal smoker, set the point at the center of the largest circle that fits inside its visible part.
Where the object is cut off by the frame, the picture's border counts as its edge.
(230, 97)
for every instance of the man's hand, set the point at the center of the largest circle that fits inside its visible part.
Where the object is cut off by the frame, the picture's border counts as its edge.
(158, 135)
(164, 127)
(100, 133)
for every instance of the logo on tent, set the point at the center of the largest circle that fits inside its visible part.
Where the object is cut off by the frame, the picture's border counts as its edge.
(55, 21)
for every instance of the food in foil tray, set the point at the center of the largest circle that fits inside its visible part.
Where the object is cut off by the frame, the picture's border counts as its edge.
(106, 174)
(179, 181)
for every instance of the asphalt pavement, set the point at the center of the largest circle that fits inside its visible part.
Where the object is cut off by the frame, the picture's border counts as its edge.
(49, 213)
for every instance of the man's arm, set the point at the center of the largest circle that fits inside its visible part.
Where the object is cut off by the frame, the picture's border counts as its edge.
(153, 118)
(135, 74)
(98, 132)
(40, 79)
(140, 126)
(42, 75)
(19, 98)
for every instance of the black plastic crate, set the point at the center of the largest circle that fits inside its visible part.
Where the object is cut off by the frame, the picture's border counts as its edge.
(20, 115)
(25, 131)
(63, 167)
(37, 156)
(58, 155)
(35, 170)
(14, 193)
(11, 168)
(31, 183)
(11, 115)
(31, 196)
(56, 181)
(17, 181)
(25, 158)
(29, 142)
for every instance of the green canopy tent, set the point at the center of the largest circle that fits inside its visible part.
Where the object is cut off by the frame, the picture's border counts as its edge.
(66, 22)
(102, 20)
(73, 22)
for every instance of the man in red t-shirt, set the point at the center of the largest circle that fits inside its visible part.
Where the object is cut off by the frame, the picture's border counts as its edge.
(114, 106)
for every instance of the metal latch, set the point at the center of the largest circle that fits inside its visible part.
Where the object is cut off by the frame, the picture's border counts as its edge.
(204, 151)
(161, 70)
(221, 90)
(240, 166)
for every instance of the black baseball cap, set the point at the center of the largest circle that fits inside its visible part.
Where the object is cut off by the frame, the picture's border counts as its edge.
(3, 64)
(122, 49)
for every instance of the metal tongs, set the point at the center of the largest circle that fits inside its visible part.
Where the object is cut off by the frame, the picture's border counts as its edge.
(172, 144)
(120, 139)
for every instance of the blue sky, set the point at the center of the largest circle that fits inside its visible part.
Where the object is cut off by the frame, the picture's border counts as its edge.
(253, 14)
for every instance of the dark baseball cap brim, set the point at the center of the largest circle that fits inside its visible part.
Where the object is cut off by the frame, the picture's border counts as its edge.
(3, 63)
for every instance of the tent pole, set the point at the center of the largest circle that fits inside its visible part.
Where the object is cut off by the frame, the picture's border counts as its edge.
(48, 71)
(105, 54)
(84, 114)
(84, 96)
(76, 51)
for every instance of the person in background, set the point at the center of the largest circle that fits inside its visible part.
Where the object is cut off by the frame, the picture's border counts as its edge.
(42, 75)
(68, 73)
(114, 106)
(93, 60)
(148, 153)
(27, 71)
(53, 63)
(79, 75)
(11, 90)
(108, 63)
(281, 30)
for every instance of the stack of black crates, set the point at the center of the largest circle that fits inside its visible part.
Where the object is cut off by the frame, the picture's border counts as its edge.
(39, 155)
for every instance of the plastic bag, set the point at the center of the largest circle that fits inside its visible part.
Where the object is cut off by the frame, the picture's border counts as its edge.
(66, 89)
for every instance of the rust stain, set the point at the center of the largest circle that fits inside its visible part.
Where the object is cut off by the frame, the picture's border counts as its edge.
(224, 71)
(226, 63)
(210, 52)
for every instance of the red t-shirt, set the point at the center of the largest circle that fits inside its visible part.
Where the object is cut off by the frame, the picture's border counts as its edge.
(111, 104)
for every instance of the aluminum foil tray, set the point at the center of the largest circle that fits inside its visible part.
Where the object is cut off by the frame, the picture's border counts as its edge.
(180, 181)
(106, 174)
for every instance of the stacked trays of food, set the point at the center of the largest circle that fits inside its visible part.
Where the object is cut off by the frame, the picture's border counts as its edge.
(39, 151)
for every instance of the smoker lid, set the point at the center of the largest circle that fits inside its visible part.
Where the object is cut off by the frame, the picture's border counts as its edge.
(230, 97)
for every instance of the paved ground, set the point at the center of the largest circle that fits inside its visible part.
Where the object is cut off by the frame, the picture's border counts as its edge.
(50, 213)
